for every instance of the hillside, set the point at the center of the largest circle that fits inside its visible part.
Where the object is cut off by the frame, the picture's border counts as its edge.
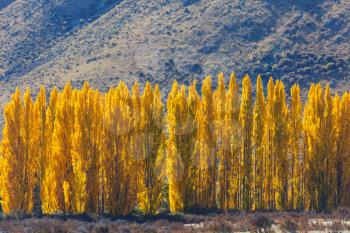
(50, 41)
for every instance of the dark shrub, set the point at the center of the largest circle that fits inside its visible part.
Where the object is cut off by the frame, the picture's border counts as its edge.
(261, 222)
(341, 212)
(101, 229)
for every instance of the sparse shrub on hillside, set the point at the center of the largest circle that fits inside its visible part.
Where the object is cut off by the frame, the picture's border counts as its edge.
(330, 66)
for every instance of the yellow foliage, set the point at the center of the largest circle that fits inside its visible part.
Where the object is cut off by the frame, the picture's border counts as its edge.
(93, 152)
(259, 160)
(19, 160)
(246, 119)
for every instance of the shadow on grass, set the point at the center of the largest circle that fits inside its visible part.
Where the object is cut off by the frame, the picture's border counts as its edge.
(191, 215)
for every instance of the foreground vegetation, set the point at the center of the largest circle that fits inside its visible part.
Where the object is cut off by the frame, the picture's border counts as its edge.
(91, 152)
(337, 221)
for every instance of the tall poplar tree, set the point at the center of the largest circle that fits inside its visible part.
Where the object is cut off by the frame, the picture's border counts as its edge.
(318, 124)
(258, 145)
(118, 163)
(269, 191)
(222, 146)
(40, 119)
(246, 119)
(205, 147)
(280, 142)
(233, 137)
(48, 188)
(343, 151)
(341, 112)
(61, 167)
(86, 144)
(180, 149)
(150, 186)
(193, 100)
(297, 159)
(226, 113)
(19, 161)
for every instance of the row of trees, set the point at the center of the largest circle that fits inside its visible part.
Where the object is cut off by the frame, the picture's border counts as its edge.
(86, 151)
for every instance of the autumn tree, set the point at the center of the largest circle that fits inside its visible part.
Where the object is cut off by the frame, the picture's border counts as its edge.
(341, 114)
(150, 175)
(90, 152)
(48, 188)
(258, 145)
(318, 124)
(280, 140)
(180, 144)
(222, 146)
(228, 147)
(19, 161)
(234, 138)
(297, 159)
(118, 162)
(86, 144)
(193, 186)
(246, 119)
(39, 115)
(269, 191)
(60, 167)
(136, 139)
(205, 149)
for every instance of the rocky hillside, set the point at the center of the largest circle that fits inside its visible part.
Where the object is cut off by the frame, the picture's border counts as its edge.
(103, 41)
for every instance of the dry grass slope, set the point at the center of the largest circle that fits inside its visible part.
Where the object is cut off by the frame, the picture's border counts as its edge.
(50, 42)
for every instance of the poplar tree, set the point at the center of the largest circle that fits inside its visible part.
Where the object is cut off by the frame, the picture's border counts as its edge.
(193, 101)
(150, 175)
(118, 161)
(280, 140)
(269, 191)
(341, 112)
(48, 189)
(40, 118)
(205, 147)
(180, 149)
(297, 160)
(39, 115)
(233, 137)
(86, 144)
(61, 167)
(246, 119)
(19, 161)
(328, 142)
(258, 145)
(174, 164)
(136, 140)
(222, 146)
(228, 148)
(318, 124)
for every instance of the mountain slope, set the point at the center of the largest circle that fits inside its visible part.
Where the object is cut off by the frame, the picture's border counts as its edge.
(297, 41)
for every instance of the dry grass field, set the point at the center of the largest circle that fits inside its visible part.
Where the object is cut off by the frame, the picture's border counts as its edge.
(337, 221)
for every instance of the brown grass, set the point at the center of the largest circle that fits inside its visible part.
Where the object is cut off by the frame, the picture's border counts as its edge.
(223, 223)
